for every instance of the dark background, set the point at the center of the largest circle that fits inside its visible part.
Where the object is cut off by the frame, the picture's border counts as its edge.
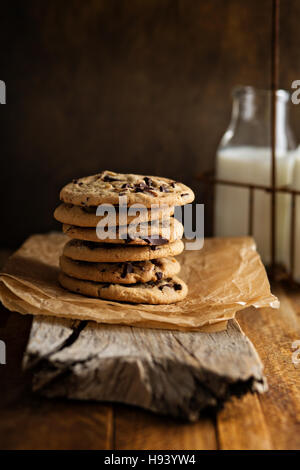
(127, 85)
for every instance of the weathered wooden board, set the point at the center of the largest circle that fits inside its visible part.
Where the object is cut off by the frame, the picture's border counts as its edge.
(273, 334)
(169, 372)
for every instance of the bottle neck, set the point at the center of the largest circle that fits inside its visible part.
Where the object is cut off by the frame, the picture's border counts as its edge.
(251, 120)
(248, 107)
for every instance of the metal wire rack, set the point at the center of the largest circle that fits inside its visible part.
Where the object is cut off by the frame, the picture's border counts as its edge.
(275, 270)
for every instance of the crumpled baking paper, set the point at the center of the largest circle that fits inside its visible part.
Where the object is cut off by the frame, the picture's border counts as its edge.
(225, 276)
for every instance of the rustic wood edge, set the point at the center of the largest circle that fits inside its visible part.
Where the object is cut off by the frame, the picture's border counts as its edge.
(168, 372)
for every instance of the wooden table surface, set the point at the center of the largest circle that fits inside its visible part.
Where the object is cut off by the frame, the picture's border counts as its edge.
(269, 421)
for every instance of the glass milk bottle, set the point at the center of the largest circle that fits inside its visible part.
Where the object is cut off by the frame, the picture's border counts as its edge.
(296, 186)
(244, 155)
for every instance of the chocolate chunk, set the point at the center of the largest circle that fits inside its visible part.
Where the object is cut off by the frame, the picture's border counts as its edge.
(173, 184)
(164, 188)
(148, 181)
(144, 188)
(184, 194)
(156, 262)
(109, 179)
(126, 186)
(124, 272)
(154, 247)
(165, 285)
(177, 286)
(169, 279)
(159, 275)
(140, 187)
(75, 181)
(128, 268)
(155, 240)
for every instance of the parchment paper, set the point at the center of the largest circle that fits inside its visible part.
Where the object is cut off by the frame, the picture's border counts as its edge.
(227, 275)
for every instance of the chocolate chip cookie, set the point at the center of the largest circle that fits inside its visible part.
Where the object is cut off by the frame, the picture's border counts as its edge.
(110, 253)
(85, 216)
(107, 188)
(121, 273)
(165, 291)
(155, 233)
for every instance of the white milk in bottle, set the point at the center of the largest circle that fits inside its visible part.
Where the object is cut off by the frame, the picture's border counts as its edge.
(296, 186)
(253, 165)
(244, 156)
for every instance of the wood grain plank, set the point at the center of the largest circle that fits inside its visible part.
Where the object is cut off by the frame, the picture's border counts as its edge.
(139, 430)
(52, 424)
(241, 425)
(31, 422)
(51, 335)
(273, 333)
(142, 367)
(292, 292)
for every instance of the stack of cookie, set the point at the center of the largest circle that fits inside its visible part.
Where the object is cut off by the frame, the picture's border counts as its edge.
(132, 262)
